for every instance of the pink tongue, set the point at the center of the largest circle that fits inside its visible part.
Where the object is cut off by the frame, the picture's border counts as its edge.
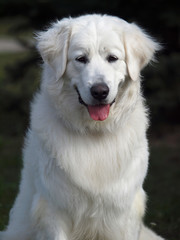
(99, 112)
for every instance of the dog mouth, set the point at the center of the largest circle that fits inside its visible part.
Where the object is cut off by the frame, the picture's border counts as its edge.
(98, 112)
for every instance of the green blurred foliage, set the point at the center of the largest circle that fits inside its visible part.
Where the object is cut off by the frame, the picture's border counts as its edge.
(162, 89)
(18, 80)
(161, 18)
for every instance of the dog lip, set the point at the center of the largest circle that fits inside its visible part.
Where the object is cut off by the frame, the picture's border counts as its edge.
(86, 105)
(112, 102)
(80, 99)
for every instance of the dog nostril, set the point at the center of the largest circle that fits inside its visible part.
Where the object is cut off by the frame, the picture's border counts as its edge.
(100, 91)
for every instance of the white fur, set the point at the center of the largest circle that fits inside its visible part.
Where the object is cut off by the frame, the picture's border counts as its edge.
(82, 179)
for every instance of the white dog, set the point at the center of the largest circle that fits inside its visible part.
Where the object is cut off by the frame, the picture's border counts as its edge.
(86, 152)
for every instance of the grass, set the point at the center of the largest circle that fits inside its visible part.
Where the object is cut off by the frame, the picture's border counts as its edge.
(163, 212)
(10, 163)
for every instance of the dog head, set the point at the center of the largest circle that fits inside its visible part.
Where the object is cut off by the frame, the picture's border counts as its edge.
(91, 57)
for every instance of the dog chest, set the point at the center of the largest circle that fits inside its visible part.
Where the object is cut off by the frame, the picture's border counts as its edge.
(97, 162)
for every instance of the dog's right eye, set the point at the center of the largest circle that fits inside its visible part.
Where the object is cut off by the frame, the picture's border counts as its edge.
(112, 58)
(82, 59)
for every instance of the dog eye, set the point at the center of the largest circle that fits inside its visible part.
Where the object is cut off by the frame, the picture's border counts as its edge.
(112, 58)
(82, 59)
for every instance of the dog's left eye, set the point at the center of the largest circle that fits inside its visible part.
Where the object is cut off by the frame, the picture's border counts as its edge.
(112, 58)
(82, 59)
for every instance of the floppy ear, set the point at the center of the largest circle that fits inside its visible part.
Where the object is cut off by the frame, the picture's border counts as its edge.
(140, 49)
(53, 46)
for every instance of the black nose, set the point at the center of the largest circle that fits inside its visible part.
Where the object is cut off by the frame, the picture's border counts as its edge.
(99, 91)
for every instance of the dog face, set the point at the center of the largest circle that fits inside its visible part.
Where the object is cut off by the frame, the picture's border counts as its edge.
(95, 54)
(96, 67)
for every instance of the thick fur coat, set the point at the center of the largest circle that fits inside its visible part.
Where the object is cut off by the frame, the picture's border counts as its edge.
(86, 152)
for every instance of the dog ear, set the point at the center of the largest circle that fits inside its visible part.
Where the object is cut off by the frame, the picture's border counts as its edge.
(53, 46)
(140, 49)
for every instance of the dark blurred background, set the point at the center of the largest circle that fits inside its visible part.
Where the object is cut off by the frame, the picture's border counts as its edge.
(20, 76)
